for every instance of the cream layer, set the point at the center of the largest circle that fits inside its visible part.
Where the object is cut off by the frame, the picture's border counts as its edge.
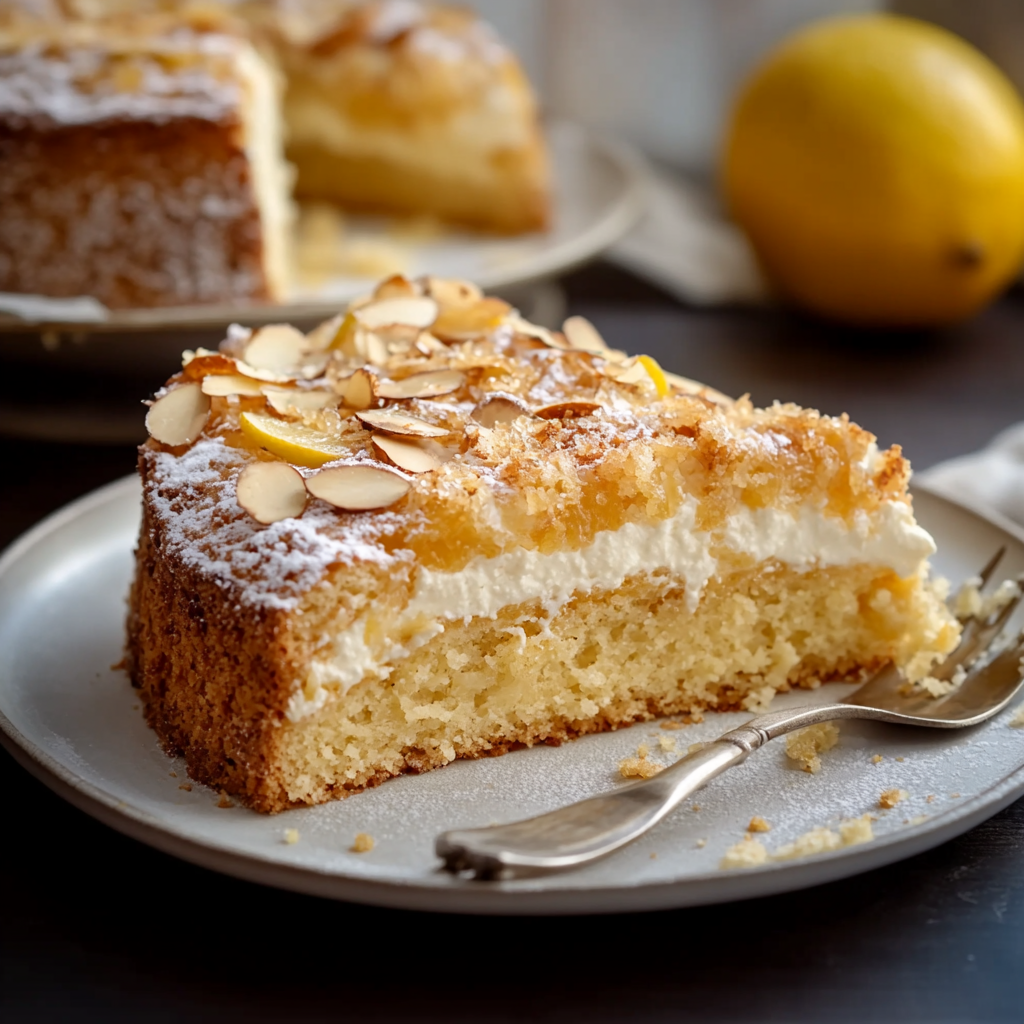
(889, 537)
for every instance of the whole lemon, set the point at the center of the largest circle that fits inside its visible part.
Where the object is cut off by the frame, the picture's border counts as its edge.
(877, 165)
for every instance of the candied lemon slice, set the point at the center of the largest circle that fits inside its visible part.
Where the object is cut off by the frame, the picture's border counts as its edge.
(293, 442)
(655, 372)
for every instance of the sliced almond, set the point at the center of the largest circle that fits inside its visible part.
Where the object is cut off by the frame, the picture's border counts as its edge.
(694, 387)
(549, 338)
(567, 410)
(499, 409)
(271, 491)
(450, 291)
(290, 400)
(428, 345)
(630, 372)
(461, 323)
(358, 391)
(397, 287)
(358, 487)
(179, 416)
(223, 384)
(323, 335)
(430, 384)
(419, 455)
(204, 362)
(414, 311)
(373, 348)
(582, 334)
(395, 422)
(277, 348)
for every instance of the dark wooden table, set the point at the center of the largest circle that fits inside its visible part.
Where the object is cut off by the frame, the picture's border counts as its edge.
(95, 926)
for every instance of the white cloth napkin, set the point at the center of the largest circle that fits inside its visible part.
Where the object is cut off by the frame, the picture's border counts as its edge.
(684, 244)
(992, 478)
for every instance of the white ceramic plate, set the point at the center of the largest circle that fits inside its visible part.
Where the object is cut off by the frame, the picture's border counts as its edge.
(75, 722)
(599, 189)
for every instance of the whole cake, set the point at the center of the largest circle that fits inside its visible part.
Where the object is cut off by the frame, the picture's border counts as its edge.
(142, 145)
(430, 530)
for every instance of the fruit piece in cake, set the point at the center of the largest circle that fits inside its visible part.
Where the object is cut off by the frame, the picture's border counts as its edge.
(590, 546)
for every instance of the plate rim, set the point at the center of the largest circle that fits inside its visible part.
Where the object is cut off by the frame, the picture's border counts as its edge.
(469, 897)
(622, 213)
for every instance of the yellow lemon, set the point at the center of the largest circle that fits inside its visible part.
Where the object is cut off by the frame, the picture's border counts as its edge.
(298, 444)
(877, 165)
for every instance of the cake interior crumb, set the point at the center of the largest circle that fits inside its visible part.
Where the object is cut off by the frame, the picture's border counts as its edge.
(806, 744)
(363, 843)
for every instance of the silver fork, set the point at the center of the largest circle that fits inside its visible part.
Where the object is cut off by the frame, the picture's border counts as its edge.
(584, 831)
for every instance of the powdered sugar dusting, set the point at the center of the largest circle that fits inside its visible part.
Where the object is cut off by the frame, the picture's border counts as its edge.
(44, 85)
(193, 496)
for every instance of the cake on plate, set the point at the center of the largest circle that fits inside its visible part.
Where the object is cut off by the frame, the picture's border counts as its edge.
(429, 529)
(143, 145)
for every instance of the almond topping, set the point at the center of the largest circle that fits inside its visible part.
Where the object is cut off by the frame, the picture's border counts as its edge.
(498, 409)
(223, 384)
(357, 391)
(397, 287)
(428, 345)
(411, 310)
(289, 400)
(414, 456)
(461, 323)
(395, 422)
(582, 334)
(630, 372)
(567, 410)
(323, 335)
(271, 491)
(422, 385)
(279, 348)
(451, 291)
(179, 416)
(521, 326)
(204, 362)
(358, 487)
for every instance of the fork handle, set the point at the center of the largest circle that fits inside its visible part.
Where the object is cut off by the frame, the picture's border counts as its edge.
(592, 828)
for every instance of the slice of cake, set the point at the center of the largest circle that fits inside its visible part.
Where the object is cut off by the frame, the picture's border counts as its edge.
(139, 164)
(431, 530)
(406, 108)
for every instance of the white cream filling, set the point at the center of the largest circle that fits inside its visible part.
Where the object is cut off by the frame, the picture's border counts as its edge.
(889, 538)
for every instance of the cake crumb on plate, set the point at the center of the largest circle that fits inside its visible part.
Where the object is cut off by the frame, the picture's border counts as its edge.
(806, 744)
(891, 797)
(638, 768)
(758, 824)
(747, 853)
(1017, 722)
(363, 843)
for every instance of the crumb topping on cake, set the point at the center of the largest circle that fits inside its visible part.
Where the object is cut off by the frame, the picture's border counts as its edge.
(506, 435)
